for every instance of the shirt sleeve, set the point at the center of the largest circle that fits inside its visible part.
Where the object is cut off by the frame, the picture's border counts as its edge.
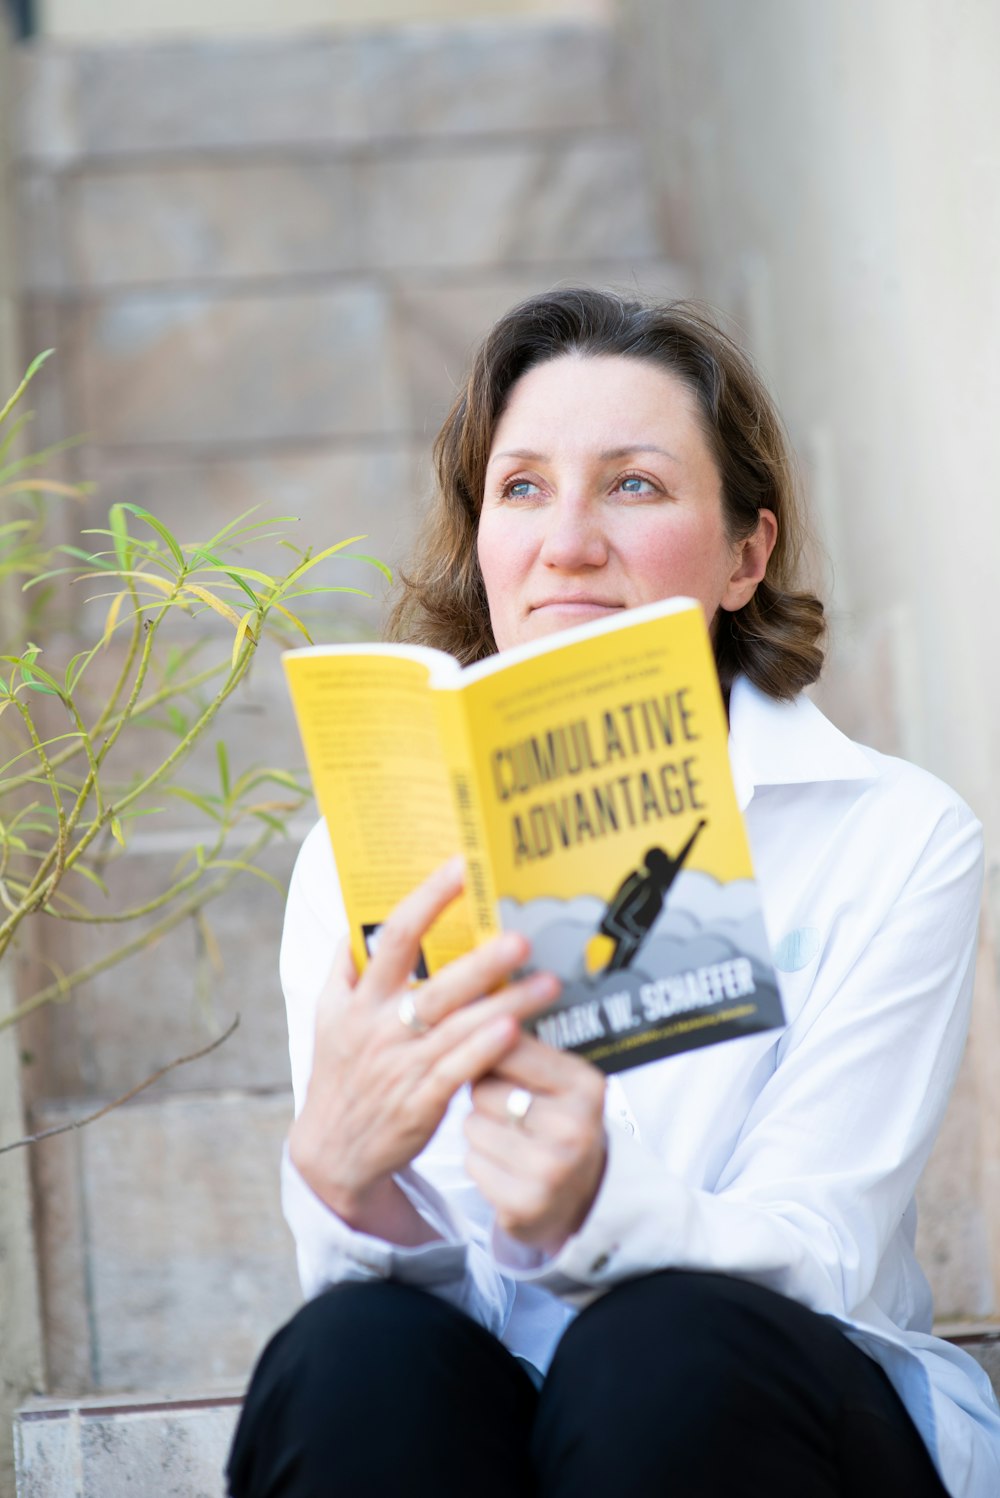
(458, 1266)
(826, 1162)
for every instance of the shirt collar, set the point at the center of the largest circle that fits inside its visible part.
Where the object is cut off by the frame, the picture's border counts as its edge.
(786, 743)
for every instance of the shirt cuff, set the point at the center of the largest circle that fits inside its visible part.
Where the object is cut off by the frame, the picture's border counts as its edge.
(330, 1252)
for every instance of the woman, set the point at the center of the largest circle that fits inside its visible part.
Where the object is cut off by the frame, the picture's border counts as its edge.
(710, 1258)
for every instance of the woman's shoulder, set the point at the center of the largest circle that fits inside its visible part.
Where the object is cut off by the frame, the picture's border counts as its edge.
(795, 744)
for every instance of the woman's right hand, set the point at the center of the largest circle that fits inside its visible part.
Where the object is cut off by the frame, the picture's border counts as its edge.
(378, 1089)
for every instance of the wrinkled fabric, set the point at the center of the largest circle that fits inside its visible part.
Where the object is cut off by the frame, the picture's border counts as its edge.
(788, 1159)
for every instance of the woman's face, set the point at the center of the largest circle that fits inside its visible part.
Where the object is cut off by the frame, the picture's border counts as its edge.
(601, 494)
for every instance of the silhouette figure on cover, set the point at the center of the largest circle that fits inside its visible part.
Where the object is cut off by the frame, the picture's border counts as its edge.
(636, 904)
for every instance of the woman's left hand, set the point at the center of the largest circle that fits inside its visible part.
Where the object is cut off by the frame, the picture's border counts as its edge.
(541, 1173)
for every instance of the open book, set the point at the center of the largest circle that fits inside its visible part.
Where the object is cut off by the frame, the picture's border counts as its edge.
(585, 776)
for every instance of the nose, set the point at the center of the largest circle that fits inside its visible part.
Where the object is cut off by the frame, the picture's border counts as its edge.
(574, 537)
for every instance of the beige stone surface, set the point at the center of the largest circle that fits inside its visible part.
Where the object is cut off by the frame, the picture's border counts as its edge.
(209, 222)
(187, 1262)
(374, 490)
(186, 367)
(217, 95)
(826, 208)
(510, 205)
(42, 327)
(46, 124)
(426, 81)
(43, 264)
(117, 18)
(227, 94)
(131, 1449)
(439, 323)
(61, 1227)
(176, 997)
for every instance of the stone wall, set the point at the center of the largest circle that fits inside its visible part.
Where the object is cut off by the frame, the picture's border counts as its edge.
(831, 173)
(102, 20)
(20, 1324)
(263, 266)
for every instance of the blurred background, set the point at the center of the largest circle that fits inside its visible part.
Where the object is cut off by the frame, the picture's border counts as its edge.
(263, 239)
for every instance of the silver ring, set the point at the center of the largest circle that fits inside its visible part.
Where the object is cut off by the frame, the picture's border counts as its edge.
(408, 1016)
(518, 1104)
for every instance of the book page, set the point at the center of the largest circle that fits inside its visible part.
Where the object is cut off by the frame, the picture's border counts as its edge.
(370, 733)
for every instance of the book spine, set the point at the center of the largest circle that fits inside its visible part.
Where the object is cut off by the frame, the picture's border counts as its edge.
(480, 886)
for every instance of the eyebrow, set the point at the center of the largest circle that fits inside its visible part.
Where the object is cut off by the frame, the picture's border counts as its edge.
(609, 455)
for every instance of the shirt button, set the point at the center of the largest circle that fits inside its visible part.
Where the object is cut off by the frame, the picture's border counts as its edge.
(630, 1128)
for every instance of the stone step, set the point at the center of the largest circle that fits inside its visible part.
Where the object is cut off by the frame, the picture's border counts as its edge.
(165, 1261)
(311, 90)
(114, 1448)
(148, 1448)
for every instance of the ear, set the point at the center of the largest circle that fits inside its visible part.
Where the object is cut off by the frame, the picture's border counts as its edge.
(752, 557)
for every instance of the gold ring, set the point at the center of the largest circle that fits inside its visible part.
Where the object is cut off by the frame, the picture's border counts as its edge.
(409, 1017)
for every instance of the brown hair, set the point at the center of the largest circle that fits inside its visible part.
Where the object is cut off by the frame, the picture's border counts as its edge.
(775, 639)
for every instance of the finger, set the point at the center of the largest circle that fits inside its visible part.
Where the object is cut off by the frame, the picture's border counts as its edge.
(512, 1148)
(470, 1058)
(343, 970)
(517, 1000)
(475, 974)
(541, 1068)
(399, 939)
(559, 1123)
(516, 1198)
(491, 1095)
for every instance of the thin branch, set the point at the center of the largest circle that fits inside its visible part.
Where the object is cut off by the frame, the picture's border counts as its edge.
(126, 1097)
(62, 989)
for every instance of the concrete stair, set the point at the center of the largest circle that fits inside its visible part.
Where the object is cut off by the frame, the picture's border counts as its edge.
(263, 265)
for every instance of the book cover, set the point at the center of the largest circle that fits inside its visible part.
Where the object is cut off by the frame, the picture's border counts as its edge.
(586, 777)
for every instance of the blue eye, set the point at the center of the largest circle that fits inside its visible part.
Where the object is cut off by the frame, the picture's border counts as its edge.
(519, 489)
(634, 484)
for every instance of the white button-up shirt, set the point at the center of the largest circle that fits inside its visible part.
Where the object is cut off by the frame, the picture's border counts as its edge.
(789, 1158)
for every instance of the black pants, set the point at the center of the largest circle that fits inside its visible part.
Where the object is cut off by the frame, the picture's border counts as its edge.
(682, 1385)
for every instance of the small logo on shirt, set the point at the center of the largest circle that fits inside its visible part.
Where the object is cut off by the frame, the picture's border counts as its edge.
(796, 949)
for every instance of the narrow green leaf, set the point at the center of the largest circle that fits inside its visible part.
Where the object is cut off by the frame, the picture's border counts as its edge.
(92, 558)
(91, 875)
(120, 536)
(294, 619)
(359, 556)
(206, 804)
(269, 821)
(116, 832)
(159, 528)
(310, 592)
(321, 556)
(222, 757)
(247, 868)
(37, 363)
(32, 370)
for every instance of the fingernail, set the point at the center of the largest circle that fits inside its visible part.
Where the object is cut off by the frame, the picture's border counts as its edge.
(510, 946)
(544, 985)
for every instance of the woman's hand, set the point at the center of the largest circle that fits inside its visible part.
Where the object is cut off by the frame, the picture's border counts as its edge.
(541, 1172)
(380, 1085)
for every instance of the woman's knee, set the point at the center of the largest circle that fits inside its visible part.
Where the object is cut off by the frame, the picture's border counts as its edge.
(683, 1334)
(366, 1358)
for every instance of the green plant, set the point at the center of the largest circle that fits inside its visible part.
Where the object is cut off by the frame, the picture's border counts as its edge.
(64, 814)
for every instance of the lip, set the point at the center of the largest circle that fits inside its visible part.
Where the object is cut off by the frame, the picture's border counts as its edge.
(576, 603)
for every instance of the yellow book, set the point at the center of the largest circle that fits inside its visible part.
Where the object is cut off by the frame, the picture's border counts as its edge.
(585, 776)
